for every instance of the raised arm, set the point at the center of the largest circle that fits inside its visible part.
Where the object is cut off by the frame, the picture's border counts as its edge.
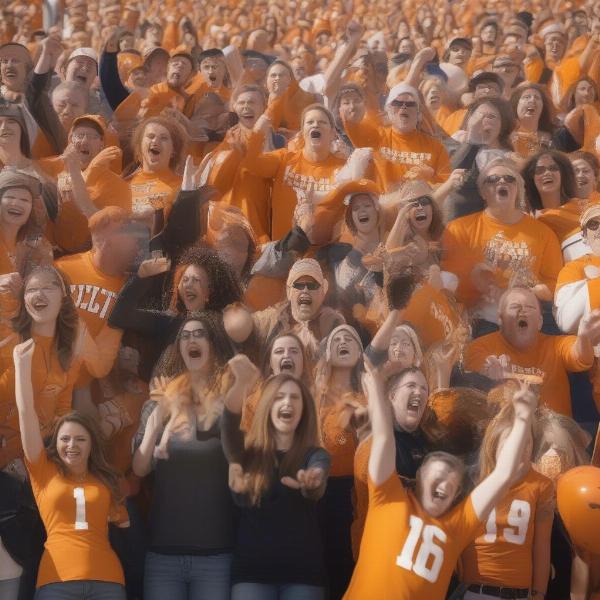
(29, 424)
(263, 164)
(490, 491)
(144, 454)
(417, 65)
(588, 335)
(382, 461)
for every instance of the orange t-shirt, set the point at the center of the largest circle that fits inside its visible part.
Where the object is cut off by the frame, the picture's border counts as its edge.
(550, 358)
(503, 553)
(76, 517)
(453, 122)
(468, 240)
(564, 220)
(405, 554)
(157, 190)
(431, 314)
(338, 438)
(396, 153)
(289, 171)
(93, 292)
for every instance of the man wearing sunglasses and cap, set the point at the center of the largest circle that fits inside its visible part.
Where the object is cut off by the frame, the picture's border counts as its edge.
(402, 150)
(302, 313)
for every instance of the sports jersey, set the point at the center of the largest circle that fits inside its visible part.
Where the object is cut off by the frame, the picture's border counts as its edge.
(75, 515)
(550, 357)
(502, 555)
(405, 554)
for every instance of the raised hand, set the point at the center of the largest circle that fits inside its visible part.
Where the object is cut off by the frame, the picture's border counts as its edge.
(524, 401)
(154, 266)
(238, 480)
(589, 327)
(304, 214)
(263, 125)
(105, 157)
(23, 354)
(244, 370)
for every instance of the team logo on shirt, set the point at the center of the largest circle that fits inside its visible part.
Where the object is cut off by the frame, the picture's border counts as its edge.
(93, 299)
(307, 183)
(437, 312)
(403, 157)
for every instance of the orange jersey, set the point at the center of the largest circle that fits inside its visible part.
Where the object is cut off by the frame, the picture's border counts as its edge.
(453, 122)
(475, 238)
(550, 358)
(290, 171)
(564, 220)
(157, 190)
(405, 554)
(503, 553)
(76, 516)
(338, 437)
(93, 292)
(396, 153)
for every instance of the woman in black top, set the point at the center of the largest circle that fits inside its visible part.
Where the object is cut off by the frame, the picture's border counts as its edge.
(191, 517)
(200, 281)
(277, 473)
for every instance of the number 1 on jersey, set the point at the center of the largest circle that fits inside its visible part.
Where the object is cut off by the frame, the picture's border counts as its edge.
(79, 495)
(428, 552)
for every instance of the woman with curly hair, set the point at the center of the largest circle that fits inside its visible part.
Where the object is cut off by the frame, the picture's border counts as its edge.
(195, 527)
(77, 494)
(158, 144)
(277, 474)
(200, 281)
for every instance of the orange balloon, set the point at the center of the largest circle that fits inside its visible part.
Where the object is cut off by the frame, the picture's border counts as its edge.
(578, 499)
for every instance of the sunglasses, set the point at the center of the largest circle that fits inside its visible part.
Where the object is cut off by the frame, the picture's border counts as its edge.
(306, 285)
(422, 201)
(592, 224)
(403, 103)
(494, 179)
(196, 333)
(540, 170)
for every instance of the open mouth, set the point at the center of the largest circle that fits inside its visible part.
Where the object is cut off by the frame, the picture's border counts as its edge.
(154, 151)
(522, 324)
(363, 219)
(439, 495)
(413, 405)
(72, 453)
(81, 78)
(15, 212)
(581, 181)
(40, 305)
(548, 180)
(304, 301)
(212, 78)
(315, 134)
(285, 414)
(343, 351)
(194, 353)
(502, 191)
(286, 364)
(10, 73)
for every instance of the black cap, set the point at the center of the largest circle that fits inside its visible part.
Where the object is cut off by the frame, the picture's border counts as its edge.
(486, 77)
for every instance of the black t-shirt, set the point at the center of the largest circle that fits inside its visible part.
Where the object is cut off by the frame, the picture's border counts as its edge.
(192, 511)
(279, 541)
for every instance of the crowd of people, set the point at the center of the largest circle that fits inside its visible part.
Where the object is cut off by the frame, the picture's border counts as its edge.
(299, 300)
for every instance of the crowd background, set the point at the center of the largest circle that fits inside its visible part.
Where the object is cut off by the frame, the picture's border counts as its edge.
(299, 300)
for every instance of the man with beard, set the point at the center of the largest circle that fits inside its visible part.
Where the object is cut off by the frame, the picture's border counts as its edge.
(303, 313)
(520, 351)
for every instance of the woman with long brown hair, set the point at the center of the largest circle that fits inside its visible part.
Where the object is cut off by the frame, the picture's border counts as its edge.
(277, 473)
(77, 494)
(513, 548)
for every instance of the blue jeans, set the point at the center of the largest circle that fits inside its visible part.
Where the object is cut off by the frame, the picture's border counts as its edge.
(265, 591)
(81, 590)
(169, 577)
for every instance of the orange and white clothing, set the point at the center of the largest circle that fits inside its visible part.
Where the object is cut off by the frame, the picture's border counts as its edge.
(503, 553)
(479, 238)
(397, 153)
(76, 516)
(551, 357)
(577, 293)
(157, 190)
(405, 554)
(289, 172)
(564, 221)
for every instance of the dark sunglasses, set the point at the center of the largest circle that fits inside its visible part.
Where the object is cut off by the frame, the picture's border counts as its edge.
(422, 201)
(196, 333)
(306, 285)
(494, 179)
(403, 103)
(592, 225)
(540, 170)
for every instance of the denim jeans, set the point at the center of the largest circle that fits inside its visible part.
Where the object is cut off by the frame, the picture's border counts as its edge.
(265, 591)
(185, 577)
(81, 590)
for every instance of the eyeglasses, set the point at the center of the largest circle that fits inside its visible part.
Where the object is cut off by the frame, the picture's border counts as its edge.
(422, 201)
(306, 285)
(592, 225)
(541, 169)
(403, 103)
(494, 179)
(196, 333)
